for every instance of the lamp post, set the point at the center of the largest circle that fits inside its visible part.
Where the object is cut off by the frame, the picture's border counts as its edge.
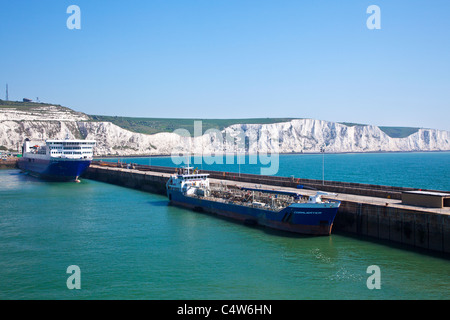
(322, 149)
(239, 161)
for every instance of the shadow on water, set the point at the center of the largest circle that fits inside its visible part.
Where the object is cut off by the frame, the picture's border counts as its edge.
(159, 203)
(267, 230)
(395, 245)
(22, 178)
(286, 234)
(14, 178)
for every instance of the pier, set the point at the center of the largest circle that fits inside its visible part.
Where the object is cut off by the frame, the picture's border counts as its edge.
(366, 210)
(8, 163)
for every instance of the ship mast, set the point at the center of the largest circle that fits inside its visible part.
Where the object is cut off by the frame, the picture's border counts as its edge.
(188, 158)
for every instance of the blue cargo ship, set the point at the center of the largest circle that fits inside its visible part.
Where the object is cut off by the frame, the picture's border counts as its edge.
(287, 211)
(56, 160)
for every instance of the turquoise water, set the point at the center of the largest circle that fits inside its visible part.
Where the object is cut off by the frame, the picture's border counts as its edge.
(427, 170)
(131, 245)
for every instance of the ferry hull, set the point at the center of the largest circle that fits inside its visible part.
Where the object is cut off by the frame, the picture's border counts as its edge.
(54, 169)
(313, 219)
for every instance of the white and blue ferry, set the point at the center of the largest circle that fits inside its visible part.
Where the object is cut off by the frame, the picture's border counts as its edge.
(280, 210)
(58, 160)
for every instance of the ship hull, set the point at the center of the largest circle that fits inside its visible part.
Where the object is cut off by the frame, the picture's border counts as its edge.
(54, 169)
(309, 219)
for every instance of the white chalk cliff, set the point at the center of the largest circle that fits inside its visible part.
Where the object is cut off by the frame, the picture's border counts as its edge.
(303, 135)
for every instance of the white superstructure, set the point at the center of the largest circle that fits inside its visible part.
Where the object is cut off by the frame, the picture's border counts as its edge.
(65, 149)
(189, 183)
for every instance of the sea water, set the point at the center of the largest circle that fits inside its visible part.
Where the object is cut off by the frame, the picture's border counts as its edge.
(422, 170)
(132, 245)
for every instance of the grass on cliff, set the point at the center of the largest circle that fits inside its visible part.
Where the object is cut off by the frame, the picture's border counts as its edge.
(24, 106)
(31, 106)
(393, 132)
(156, 125)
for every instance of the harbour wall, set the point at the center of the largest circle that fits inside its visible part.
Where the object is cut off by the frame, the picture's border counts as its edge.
(412, 226)
(8, 163)
(388, 192)
(144, 181)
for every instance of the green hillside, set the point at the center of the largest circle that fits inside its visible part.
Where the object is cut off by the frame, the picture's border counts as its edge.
(28, 106)
(155, 125)
(36, 107)
(393, 132)
(399, 132)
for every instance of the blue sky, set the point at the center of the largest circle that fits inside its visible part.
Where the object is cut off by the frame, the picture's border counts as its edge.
(233, 59)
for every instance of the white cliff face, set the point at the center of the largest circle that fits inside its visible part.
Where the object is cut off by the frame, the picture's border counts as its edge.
(303, 135)
(114, 140)
(13, 133)
(308, 135)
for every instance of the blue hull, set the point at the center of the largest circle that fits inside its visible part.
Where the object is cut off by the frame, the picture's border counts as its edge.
(54, 169)
(309, 219)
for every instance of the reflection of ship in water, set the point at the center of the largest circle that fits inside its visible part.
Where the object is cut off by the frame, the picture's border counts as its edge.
(281, 210)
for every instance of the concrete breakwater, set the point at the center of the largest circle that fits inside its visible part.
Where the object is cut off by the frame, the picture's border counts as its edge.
(389, 192)
(8, 163)
(361, 213)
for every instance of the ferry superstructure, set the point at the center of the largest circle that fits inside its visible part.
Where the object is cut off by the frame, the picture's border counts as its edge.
(280, 210)
(59, 160)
